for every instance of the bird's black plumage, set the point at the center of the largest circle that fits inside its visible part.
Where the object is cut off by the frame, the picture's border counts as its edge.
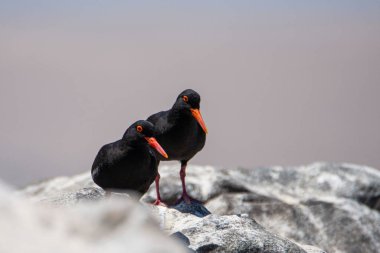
(181, 137)
(179, 132)
(127, 164)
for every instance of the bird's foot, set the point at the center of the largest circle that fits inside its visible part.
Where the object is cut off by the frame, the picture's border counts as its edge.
(158, 202)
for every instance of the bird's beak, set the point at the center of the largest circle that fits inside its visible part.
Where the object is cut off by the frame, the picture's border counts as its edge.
(198, 116)
(154, 144)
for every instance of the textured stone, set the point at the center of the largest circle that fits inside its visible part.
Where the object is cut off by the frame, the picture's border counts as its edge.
(331, 206)
(112, 225)
(227, 233)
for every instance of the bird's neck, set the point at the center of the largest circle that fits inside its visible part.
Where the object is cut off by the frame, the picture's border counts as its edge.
(179, 114)
(134, 141)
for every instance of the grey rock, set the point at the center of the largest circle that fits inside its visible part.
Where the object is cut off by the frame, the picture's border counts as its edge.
(228, 233)
(68, 191)
(181, 237)
(194, 207)
(212, 233)
(112, 225)
(62, 190)
(192, 223)
(330, 206)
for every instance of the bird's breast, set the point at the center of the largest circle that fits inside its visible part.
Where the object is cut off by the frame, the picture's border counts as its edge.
(183, 141)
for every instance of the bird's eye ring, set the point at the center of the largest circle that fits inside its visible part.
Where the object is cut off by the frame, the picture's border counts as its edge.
(185, 98)
(139, 129)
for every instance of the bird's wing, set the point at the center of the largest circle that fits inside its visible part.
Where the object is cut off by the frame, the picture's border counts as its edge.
(100, 158)
(159, 120)
(109, 153)
(155, 117)
(153, 156)
(98, 164)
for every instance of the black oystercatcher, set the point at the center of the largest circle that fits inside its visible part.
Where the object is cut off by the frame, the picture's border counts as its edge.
(129, 163)
(181, 131)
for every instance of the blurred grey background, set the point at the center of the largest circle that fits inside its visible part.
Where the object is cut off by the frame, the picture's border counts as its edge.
(282, 82)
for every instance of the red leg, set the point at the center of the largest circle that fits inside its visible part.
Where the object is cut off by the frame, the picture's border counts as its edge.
(182, 174)
(158, 199)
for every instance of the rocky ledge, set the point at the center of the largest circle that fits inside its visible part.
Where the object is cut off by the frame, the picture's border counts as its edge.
(334, 207)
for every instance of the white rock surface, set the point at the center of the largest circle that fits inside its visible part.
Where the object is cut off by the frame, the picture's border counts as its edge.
(228, 233)
(212, 233)
(331, 206)
(115, 225)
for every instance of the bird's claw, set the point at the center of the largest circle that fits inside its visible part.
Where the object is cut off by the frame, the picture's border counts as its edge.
(158, 202)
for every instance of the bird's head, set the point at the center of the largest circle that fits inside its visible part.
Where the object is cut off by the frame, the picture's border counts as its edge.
(189, 101)
(143, 129)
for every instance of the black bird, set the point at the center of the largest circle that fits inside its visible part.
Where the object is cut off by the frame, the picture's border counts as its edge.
(129, 163)
(181, 131)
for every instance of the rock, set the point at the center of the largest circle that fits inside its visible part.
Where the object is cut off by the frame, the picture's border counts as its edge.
(195, 208)
(191, 224)
(181, 237)
(330, 206)
(113, 225)
(62, 190)
(228, 233)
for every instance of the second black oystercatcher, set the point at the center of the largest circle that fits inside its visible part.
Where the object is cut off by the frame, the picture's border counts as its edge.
(181, 131)
(129, 163)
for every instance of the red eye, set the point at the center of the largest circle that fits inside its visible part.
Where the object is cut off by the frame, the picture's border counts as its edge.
(139, 129)
(185, 98)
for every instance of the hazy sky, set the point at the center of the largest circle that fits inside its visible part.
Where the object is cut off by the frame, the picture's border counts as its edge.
(282, 82)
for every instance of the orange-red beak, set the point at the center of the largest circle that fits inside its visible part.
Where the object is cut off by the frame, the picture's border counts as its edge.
(198, 116)
(154, 144)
